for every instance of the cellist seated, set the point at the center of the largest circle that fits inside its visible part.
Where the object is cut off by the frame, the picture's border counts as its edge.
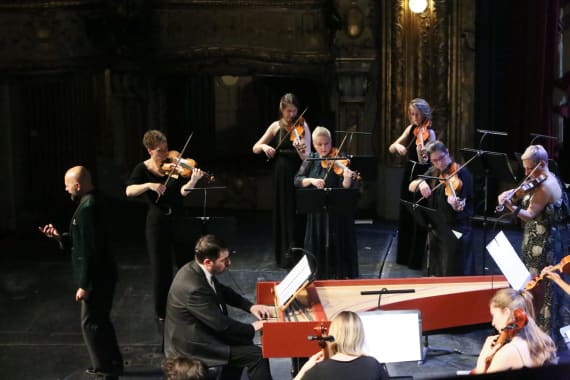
(521, 343)
(342, 357)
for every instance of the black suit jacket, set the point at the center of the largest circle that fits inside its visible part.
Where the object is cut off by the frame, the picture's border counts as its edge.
(197, 324)
(92, 261)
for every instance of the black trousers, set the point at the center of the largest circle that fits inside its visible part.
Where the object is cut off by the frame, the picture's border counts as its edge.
(165, 252)
(98, 331)
(248, 356)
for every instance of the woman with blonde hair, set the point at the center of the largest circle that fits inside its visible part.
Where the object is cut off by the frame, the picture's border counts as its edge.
(329, 236)
(346, 360)
(529, 347)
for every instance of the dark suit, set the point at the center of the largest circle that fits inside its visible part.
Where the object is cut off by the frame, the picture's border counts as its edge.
(95, 271)
(197, 324)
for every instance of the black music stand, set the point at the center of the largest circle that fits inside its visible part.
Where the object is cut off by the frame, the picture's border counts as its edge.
(338, 201)
(366, 165)
(430, 219)
(490, 164)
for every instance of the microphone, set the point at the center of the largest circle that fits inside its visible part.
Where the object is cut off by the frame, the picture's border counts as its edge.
(544, 136)
(487, 131)
(536, 136)
(328, 338)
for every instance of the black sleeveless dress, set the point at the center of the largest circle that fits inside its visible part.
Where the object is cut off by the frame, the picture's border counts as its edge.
(288, 226)
(411, 236)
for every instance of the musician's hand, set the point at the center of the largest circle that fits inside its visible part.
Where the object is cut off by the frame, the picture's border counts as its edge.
(158, 188)
(424, 188)
(400, 149)
(486, 351)
(347, 173)
(268, 150)
(296, 142)
(196, 175)
(316, 358)
(257, 325)
(80, 295)
(50, 231)
(456, 203)
(549, 272)
(261, 311)
(505, 198)
(318, 183)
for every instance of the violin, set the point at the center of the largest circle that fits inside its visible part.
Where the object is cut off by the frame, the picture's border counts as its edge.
(296, 130)
(185, 166)
(507, 334)
(422, 135)
(517, 193)
(563, 267)
(453, 183)
(338, 166)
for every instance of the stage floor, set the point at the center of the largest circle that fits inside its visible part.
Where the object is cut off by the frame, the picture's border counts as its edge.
(40, 336)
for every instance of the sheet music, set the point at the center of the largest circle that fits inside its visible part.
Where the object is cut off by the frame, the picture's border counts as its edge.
(293, 281)
(508, 261)
(383, 328)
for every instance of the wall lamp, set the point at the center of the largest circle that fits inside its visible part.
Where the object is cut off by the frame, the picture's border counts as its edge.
(417, 6)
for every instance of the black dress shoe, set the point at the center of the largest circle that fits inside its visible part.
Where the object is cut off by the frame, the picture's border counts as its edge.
(115, 371)
(90, 371)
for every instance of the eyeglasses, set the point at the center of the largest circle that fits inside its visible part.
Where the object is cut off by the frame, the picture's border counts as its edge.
(440, 158)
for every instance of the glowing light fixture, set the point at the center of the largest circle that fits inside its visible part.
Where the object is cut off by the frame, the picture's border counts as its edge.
(417, 6)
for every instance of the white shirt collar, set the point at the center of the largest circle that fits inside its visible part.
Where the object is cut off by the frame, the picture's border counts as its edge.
(208, 274)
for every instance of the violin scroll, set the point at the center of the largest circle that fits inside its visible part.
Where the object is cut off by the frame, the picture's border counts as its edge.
(321, 335)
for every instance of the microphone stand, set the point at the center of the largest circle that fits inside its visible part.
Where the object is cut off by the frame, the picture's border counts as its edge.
(204, 218)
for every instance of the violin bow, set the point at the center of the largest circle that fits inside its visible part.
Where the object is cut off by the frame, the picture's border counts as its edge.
(287, 134)
(177, 163)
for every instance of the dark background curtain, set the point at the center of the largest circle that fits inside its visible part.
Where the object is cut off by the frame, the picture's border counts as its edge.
(517, 51)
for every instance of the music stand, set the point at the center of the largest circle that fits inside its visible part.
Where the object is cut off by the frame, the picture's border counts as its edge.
(366, 166)
(205, 218)
(433, 222)
(338, 201)
(491, 164)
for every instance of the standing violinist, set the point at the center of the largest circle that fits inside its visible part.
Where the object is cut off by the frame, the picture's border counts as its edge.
(164, 200)
(452, 197)
(289, 145)
(342, 259)
(541, 210)
(521, 342)
(412, 145)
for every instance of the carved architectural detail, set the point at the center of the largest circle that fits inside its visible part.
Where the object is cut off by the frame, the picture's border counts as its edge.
(40, 35)
(355, 70)
(419, 64)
